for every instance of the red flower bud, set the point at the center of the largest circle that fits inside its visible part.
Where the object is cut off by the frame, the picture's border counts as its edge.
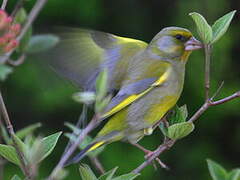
(3, 17)
(3, 41)
(15, 28)
(10, 46)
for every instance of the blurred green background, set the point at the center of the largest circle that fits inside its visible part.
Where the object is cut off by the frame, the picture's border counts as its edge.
(35, 94)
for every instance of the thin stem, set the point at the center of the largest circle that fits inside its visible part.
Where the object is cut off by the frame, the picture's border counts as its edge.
(226, 99)
(207, 49)
(199, 112)
(95, 161)
(163, 147)
(93, 123)
(17, 62)
(4, 4)
(31, 17)
(17, 7)
(2, 163)
(217, 91)
(10, 129)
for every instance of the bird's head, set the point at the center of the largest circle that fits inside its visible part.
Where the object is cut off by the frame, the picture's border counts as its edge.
(174, 43)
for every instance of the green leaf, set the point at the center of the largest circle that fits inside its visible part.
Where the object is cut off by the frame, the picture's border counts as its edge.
(234, 174)
(49, 143)
(86, 173)
(128, 176)
(84, 97)
(9, 153)
(178, 115)
(221, 25)
(72, 127)
(40, 43)
(184, 112)
(20, 17)
(15, 177)
(108, 175)
(101, 84)
(217, 172)
(102, 104)
(22, 147)
(180, 130)
(5, 71)
(203, 28)
(27, 130)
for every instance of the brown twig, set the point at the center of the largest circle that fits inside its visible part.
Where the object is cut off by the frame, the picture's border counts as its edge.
(93, 123)
(4, 4)
(10, 129)
(207, 49)
(208, 102)
(95, 161)
(163, 147)
(17, 62)
(31, 17)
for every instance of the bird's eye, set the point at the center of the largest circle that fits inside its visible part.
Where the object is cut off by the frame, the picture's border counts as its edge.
(180, 37)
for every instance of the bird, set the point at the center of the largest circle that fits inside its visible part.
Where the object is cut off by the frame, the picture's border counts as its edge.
(147, 78)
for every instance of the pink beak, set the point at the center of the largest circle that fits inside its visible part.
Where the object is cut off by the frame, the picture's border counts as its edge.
(193, 44)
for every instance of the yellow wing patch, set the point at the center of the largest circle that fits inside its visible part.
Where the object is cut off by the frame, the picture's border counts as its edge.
(134, 97)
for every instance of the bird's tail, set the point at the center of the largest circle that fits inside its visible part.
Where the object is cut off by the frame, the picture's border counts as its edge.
(84, 152)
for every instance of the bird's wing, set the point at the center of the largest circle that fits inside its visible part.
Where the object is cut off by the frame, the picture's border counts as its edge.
(131, 92)
(81, 54)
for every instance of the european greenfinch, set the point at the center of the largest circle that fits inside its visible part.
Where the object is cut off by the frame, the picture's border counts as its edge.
(148, 78)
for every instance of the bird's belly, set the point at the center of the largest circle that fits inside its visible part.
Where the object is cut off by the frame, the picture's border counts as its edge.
(149, 109)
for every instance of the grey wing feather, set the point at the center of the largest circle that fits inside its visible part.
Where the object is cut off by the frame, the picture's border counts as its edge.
(128, 90)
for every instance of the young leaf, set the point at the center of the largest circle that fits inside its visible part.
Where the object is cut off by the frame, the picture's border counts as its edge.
(39, 43)
(108, 175)
(9, 153)
(22, 147)
(101, 84)
(184, 112)
(221, 25)
(35, 151)
(15, 177)
(84, 97)
(100, 105)
(203, 28)
(20, 16)
(5, 71)
(128, 176)
(180, 130)
(86, 173)
(234, 175)
(217, 172)
(27, 130)
(178, 115)
(75, 129)
(49, 143)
